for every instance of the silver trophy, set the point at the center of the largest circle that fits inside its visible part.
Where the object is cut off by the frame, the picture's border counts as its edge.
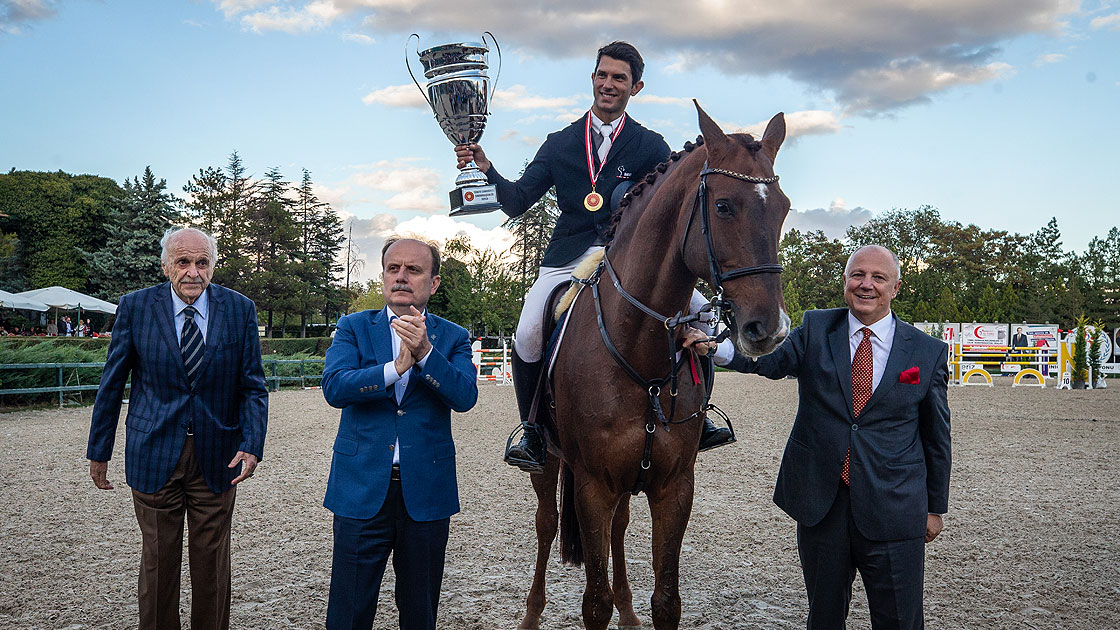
(458, 93)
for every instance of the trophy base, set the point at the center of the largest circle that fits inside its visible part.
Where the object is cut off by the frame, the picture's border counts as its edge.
(474, 200)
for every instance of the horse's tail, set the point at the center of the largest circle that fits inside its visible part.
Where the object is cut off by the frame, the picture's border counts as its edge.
(571, 546)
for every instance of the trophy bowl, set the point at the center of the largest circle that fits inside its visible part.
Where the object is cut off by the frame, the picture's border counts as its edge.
(459, 92)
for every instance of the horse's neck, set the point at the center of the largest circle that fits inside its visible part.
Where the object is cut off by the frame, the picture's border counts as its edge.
(647, 261)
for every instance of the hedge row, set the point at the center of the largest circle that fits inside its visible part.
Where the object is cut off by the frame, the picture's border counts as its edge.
(67, 350)
(315, 346)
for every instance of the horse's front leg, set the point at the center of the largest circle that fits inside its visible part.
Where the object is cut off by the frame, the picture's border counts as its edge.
(595, 506)
(623, 596)
(544, 484)
(670, 507)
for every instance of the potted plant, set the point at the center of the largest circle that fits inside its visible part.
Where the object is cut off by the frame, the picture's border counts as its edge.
(1080, 360)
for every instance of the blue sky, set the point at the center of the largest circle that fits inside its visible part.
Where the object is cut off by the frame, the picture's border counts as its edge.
(1001, 113)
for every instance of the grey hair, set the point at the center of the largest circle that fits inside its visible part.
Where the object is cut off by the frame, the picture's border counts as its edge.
(894, 257)
(173, 234)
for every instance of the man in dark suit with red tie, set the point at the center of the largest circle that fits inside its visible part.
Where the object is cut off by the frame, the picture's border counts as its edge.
(195, 427)
(866, 468)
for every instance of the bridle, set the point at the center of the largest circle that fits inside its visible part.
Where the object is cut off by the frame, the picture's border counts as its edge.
(718, 305)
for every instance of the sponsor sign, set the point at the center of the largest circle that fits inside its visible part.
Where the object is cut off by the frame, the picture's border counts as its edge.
(988, 334)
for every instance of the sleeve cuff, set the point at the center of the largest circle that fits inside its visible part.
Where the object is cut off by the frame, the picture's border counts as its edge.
(391, 375)
(724, 353)
(420, 364)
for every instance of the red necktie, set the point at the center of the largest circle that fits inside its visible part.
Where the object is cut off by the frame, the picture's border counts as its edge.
(862, 378)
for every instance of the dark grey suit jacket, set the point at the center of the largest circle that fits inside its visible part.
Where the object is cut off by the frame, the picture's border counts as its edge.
(900, 445)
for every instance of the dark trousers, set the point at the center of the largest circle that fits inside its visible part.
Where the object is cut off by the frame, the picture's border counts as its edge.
(361, 550)
(892, 571)
(208, 516)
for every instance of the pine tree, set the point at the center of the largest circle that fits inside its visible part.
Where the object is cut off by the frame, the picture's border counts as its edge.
(532, 232)
(130, 259)
(273, 247)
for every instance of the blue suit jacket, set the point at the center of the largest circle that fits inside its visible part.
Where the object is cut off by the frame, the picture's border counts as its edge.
(372, 421)
(228, 402)
(899, 444)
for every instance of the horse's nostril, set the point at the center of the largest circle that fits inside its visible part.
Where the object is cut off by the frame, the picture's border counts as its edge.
(754, 331)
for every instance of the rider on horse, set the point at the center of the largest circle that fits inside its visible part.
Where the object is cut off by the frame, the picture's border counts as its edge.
(592, 160)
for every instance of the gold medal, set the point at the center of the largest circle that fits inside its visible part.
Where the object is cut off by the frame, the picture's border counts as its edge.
(593, 201)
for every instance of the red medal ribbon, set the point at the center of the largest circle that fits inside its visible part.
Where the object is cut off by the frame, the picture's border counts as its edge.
(594, 174)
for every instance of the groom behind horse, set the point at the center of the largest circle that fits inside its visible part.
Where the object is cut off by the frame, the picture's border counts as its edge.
(604, 151)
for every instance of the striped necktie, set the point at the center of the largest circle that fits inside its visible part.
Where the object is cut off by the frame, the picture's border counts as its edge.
(191, 344)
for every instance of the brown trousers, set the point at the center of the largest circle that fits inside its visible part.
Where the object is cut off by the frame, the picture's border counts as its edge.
(160, 516)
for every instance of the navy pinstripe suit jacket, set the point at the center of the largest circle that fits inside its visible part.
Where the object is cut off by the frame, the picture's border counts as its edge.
(228, 403)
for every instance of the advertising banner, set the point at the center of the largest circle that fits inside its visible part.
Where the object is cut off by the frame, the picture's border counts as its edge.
(987, 334)
(949, 332)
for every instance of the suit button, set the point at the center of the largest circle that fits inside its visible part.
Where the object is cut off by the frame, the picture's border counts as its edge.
(375, 388)
(400, 412)
(391, 447)
(855, 427)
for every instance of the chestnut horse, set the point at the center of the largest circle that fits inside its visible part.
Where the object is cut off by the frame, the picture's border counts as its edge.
(714, 212)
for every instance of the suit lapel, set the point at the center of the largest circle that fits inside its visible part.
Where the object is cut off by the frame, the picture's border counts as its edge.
(842, 359)
(162, 305)
(216, 308)
(902, 349)
(377, 337)
(625, 137)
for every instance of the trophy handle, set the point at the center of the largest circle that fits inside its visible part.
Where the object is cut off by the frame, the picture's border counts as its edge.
(409, 66)
(494, 87)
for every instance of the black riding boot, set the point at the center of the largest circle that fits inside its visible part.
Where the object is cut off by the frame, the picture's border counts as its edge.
(528, 453)
(712, 436)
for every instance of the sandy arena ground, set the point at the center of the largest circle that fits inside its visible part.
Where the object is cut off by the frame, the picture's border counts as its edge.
(1030, 540)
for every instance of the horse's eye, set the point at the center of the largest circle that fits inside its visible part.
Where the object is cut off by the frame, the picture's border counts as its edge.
(724, 208)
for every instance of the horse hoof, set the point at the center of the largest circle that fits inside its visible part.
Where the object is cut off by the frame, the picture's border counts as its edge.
(630, 627)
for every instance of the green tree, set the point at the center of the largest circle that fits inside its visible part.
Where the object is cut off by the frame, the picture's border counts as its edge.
(53, 215)
(130, 258)
(273, 247)
(317, 266)
(532, 232)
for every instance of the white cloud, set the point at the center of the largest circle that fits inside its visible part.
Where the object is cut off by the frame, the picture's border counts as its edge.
(871, 55)
(15, 12)
(833, 221)
(517, 97)
(679, 101)
(370, 235)
(397, 96)
(359, 38)
(412, 188)
(803, 123)
(1047, 59)
(1111, 22)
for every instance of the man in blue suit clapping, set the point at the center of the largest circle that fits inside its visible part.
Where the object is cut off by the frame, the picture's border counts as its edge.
(195, 426)
(396, 373)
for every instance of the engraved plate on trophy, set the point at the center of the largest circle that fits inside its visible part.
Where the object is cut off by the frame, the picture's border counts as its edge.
(458, 91)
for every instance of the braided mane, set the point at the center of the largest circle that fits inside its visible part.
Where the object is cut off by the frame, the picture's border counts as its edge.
(631, 198)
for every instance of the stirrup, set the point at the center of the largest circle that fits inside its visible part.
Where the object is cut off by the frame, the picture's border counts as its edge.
(526, 464)
(727, 420)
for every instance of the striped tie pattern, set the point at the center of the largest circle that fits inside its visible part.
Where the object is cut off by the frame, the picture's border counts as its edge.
(191, 344)
(863, 376)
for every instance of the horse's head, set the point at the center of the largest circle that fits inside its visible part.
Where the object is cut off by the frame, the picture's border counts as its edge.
(745, 209)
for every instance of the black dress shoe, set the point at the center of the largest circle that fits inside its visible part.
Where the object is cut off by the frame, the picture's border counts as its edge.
(713, 436)
(528, 453)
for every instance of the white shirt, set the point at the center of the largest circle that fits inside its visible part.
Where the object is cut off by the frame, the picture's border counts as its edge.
(202, 305)
(605, 133)
(882, 338)
(400, 380)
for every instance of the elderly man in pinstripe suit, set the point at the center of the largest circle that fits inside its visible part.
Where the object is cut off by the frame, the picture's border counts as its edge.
(194, 430)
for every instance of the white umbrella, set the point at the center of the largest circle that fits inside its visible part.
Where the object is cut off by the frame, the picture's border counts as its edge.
(69, 300)
(11, 300)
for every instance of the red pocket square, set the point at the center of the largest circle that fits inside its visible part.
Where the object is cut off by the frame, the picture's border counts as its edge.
(910, 377)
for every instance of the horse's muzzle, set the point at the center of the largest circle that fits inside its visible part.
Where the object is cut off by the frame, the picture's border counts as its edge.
(757, 337)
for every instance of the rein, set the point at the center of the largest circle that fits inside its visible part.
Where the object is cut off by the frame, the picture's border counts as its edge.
(720, 306)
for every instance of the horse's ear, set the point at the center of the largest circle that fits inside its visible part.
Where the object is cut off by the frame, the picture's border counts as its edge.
(774, 136)
(714, 138)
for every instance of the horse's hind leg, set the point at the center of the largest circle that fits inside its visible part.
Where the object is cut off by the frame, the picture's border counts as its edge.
(544, 484)
(670, 508)
(623, 596)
